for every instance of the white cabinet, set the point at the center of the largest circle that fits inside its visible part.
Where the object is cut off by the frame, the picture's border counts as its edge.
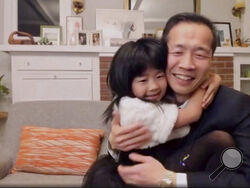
(242, 72)
(55, 76)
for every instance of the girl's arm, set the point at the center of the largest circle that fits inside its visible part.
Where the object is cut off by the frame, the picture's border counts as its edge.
(199, 100)
(192, 111)
(211, 84)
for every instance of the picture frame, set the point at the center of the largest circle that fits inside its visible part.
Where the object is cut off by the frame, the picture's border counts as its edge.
(83, 37)
(96, 38)
(223, 34)
(74, 24)
(53, 33)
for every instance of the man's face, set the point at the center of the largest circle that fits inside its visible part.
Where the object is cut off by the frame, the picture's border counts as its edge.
(189, 57)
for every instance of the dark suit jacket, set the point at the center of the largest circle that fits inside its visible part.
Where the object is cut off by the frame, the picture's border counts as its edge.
(230, 111)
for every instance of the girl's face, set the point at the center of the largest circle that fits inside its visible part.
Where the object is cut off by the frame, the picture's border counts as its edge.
(151, 85)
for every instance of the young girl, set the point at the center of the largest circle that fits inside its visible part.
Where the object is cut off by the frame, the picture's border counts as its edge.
(139, 87)
(138, 83)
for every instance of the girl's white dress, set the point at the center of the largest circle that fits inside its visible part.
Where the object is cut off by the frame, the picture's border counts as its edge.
(159, 118)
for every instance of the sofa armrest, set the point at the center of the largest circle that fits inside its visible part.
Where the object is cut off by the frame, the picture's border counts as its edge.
(5, 165)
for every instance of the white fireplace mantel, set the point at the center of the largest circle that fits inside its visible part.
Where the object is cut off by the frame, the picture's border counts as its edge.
(54, 48)
(220, 51)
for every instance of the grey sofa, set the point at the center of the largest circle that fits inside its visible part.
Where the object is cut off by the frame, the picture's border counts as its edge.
(56, 114)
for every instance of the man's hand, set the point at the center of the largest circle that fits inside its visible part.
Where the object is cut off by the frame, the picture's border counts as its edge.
(211, 85)
(149, 171)
(129, 137)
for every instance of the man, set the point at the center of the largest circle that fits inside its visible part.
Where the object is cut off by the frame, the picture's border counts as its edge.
(191, 42)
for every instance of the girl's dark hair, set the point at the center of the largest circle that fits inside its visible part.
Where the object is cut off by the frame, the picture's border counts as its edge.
(187, 17)
(130, 61)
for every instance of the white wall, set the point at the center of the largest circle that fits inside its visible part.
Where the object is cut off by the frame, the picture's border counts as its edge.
(246, 21)
(1, 21)
(220, 11)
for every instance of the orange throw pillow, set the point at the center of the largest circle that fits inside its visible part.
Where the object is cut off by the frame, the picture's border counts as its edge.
(57, 151)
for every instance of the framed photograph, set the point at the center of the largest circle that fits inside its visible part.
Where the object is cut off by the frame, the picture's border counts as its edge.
(73, 26)
(53, 33)
(83, 37)
(96, 38)
(224, 33)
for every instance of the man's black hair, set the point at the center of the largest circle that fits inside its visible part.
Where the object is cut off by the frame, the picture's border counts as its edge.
(189, 18)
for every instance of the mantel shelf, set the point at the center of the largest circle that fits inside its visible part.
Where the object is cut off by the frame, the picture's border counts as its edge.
(220, 51)
(3, 115)
(59, 48)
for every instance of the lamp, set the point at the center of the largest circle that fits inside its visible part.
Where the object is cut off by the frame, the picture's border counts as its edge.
(78, 6)
(238, 8)
(239, 4)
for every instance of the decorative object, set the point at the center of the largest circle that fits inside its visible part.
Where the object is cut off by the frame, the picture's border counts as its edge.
(27, 38)
(73, 26)
(78, 6)
(57, 151)
(238, 8)
(197, 6)
(44, 41)
(53, 33)
(223, 30)
(83, 37)
(3, 115)
(127, 4)
(119, 24)
(148, 35)
(3, 89)
(96, 38)
(238, 41)
(158, 33)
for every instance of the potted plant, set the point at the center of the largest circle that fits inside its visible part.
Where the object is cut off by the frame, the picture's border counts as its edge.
(3, 91)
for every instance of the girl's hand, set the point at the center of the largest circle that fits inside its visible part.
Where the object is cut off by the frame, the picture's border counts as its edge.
(211, 85)
(128, 137)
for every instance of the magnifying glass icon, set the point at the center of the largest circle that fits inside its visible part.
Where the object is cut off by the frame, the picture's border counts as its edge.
(231, 159)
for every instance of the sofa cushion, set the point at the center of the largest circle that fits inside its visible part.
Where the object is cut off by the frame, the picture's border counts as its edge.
(24, 179)
(57, 151)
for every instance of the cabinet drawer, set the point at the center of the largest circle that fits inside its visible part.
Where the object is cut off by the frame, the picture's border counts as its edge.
(53, 86)
(53, 63)
(53, 75)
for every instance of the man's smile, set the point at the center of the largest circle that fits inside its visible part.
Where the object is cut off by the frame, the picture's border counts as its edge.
(183, 77)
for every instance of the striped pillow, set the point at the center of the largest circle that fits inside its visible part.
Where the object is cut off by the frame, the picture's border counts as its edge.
(57, 151)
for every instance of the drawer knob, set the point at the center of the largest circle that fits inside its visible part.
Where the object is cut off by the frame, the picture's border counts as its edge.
(80, 64)
(55, 77)
(28, 63)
